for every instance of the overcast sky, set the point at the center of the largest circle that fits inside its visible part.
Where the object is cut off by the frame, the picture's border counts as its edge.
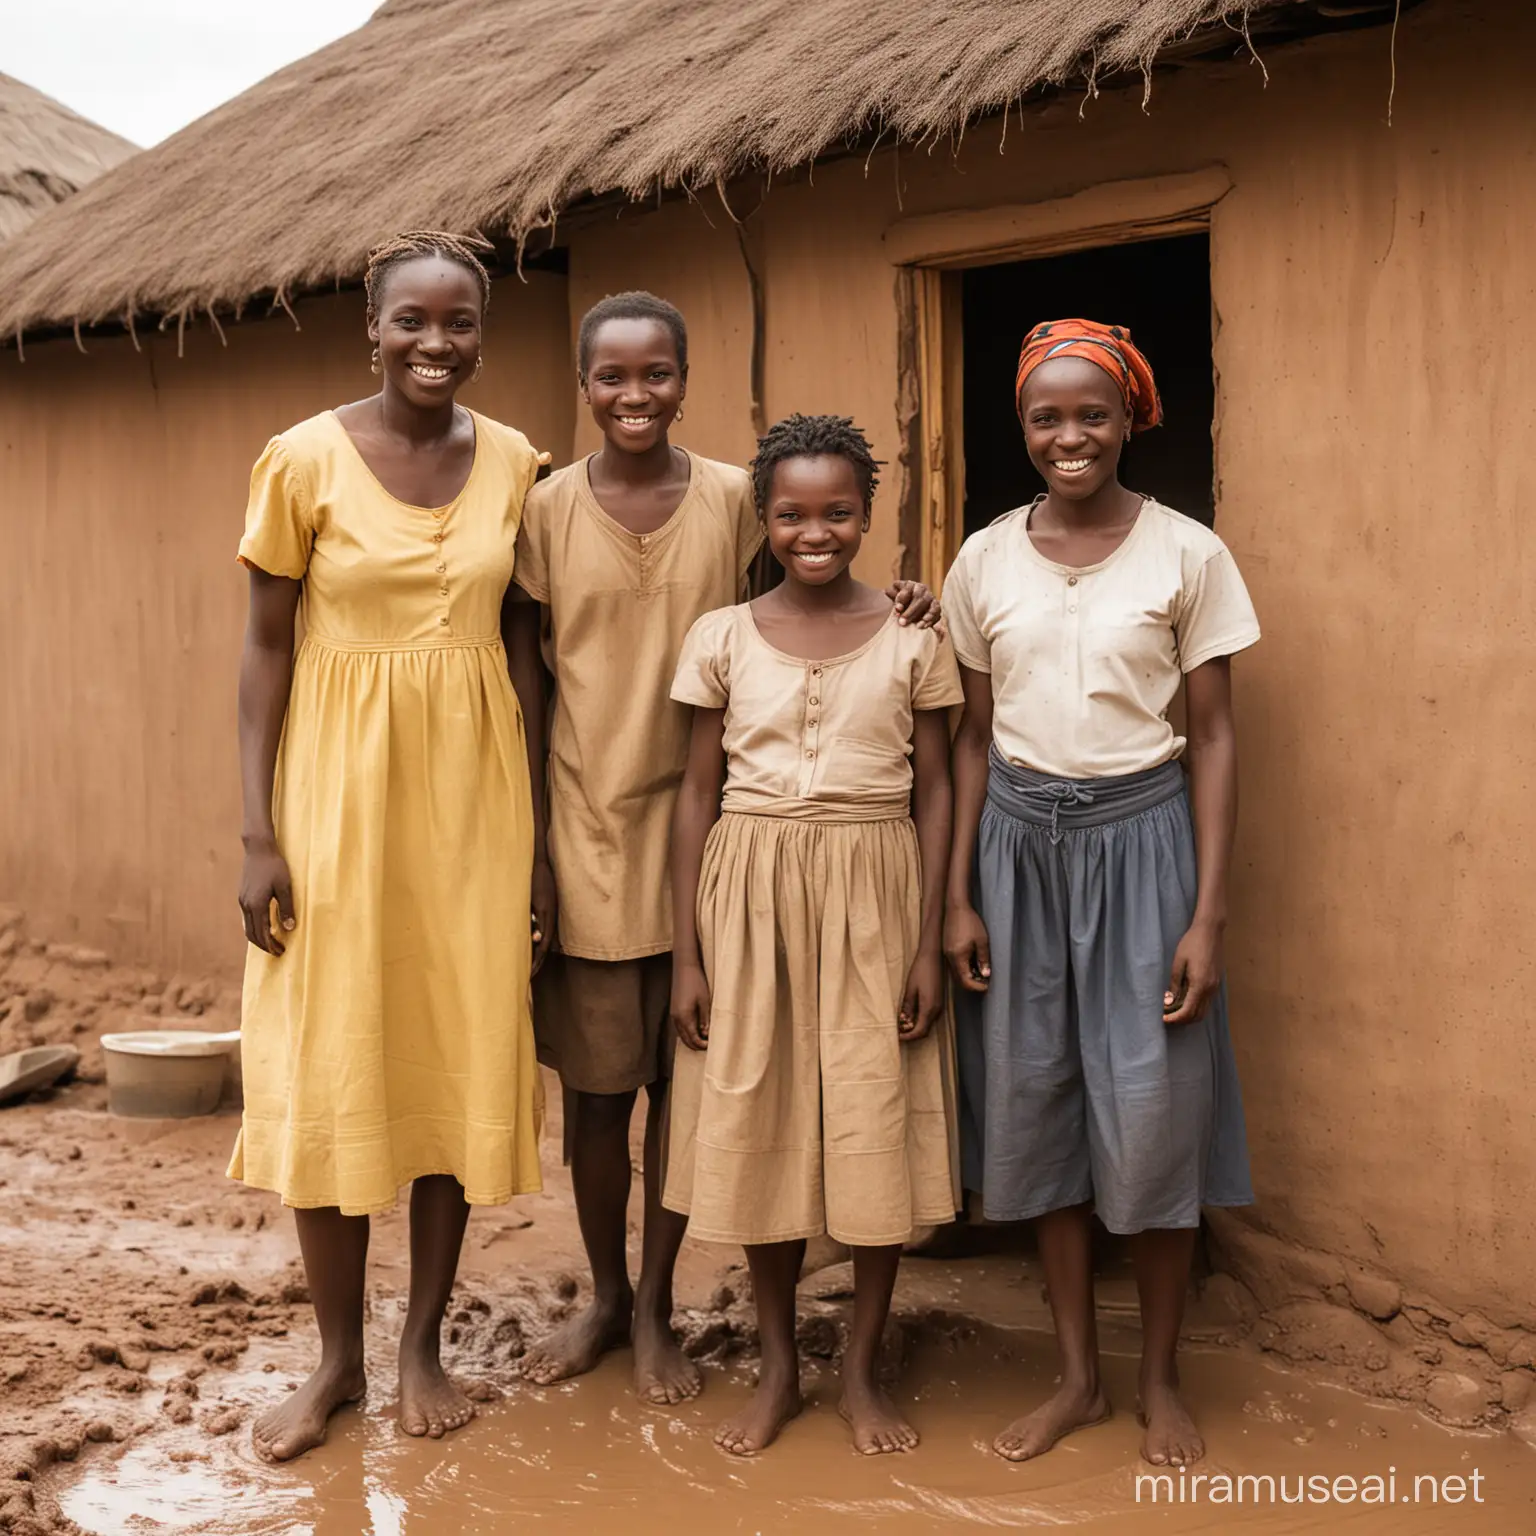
(145, 68)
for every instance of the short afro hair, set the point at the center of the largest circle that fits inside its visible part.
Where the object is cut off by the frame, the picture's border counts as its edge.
(635, 305)
(808, 437)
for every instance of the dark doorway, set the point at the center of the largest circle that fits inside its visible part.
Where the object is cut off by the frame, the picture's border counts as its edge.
(1161, 289)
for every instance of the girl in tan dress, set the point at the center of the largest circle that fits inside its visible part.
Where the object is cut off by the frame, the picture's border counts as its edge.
(807, 975)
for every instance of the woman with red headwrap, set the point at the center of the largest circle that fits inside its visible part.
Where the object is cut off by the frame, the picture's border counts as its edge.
(1086, 902)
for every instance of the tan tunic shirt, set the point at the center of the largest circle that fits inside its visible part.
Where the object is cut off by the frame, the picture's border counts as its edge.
(816, 740)
(619, 605)
(1085, 661)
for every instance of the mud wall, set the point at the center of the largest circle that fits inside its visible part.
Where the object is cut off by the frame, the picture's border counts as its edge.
(122, 491)
(1375, 410)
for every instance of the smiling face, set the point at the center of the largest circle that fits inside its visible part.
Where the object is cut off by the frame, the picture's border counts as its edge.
(427, 327)
(634, 383)
(815, 517)
(1074, 425)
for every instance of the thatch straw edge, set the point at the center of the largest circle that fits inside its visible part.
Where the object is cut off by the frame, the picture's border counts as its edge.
(283, 190)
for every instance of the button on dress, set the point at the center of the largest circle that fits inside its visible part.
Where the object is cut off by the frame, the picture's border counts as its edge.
(392, 1039)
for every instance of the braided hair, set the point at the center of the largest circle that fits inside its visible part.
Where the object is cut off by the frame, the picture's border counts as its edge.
(414, 243)
(805, 437)
(634, 305)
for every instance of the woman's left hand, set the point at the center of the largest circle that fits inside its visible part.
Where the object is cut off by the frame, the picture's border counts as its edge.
(1196, 974)
(922, 1000)
(915, 604)
(545, 905)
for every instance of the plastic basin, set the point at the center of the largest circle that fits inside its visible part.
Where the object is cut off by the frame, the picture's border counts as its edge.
(167, 1074)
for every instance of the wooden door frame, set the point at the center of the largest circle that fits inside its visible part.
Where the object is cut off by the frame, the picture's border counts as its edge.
(930, 252)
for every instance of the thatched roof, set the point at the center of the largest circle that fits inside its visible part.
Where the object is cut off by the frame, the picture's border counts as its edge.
(495, 115)
(47, 153)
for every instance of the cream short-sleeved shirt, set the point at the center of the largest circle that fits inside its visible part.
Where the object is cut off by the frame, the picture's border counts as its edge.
(823, 740)
(1086, 661)
(619, 606)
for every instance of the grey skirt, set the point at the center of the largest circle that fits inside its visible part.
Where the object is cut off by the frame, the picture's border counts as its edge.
(1072, 1088)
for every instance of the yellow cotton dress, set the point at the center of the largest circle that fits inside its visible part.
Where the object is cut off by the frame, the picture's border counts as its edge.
(393, 1037)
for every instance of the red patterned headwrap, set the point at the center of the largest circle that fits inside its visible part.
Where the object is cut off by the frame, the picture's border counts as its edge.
(1109, 346)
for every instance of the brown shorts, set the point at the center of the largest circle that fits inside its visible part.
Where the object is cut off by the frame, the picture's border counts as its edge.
(604, 1025)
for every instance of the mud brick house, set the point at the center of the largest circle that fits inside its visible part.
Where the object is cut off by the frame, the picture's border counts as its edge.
(1319, 220)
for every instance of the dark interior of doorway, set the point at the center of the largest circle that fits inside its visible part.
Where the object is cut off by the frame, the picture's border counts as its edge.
(1161, 290)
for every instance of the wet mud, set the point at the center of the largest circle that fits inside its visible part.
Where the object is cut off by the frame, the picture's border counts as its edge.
(587, 1457)
(150, 1309)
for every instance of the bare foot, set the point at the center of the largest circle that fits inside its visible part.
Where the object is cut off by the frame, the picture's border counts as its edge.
(574, 1349)
(1171, 1438)
(430, 1404)
(298, 1425)
(878, 1427)
(663, 1373)
(1072, 1408)
(757, 1426)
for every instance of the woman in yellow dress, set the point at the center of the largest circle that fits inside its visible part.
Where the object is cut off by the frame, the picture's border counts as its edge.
(389, 824)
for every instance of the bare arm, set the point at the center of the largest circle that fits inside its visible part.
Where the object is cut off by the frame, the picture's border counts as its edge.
(698, 809)
(965, 935)
(266, 677)
(521, 624)
(932, 804)
(1212, 757)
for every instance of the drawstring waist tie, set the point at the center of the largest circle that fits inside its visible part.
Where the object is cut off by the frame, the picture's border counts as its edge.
(1067, 805)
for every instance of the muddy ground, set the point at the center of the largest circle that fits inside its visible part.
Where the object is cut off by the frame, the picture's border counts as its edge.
(149, 1307)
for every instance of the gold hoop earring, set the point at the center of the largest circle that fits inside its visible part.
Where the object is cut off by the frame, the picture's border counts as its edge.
(378, 367)
(479, 364)
(679, 415)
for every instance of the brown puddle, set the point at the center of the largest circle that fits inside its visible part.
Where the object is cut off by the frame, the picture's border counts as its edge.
(149, 1309)
(586, 1457)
